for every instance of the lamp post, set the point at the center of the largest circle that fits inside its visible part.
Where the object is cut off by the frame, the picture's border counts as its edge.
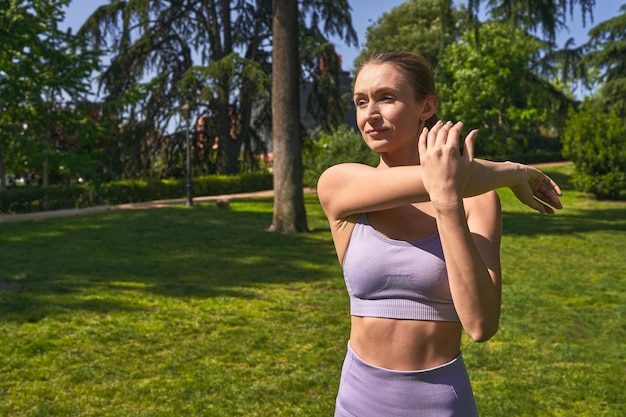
(185, 109)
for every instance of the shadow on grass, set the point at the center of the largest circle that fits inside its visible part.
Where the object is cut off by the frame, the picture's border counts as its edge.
(605, 215)
(530, 224)
(97, 263)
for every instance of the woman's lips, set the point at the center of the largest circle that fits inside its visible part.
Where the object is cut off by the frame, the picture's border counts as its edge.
(375, 132)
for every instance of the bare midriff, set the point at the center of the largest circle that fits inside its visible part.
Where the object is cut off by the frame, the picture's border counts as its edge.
(405, 345)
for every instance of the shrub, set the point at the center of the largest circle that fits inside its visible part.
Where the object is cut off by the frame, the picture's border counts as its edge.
(596, 142)
(33, 199)
(338, 146)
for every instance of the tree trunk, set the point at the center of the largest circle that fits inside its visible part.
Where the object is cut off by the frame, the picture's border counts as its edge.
(229, 156)
(229, 146)
(289, 212)
(3, 172)
(46, 171)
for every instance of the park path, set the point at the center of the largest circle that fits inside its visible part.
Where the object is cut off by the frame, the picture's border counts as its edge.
(12, 218)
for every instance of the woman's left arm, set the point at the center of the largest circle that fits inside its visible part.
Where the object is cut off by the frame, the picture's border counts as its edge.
(470, 235)
(470, 230)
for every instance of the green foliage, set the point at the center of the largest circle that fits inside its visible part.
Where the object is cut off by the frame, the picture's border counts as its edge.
(216, 57)
(596, 142)
(321, 67)
(41, 68)
(226, 75)
(486, 85)
(547, 17)
(607, 46)
(133, 191)
(33, 199)
(325, 102)
(339, 146)
(503, 75)
(422, 26)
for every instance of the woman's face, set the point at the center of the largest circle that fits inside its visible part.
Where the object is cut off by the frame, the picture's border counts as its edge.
(387, 113)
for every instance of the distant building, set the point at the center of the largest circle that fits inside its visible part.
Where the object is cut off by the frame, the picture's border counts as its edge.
(345, 88)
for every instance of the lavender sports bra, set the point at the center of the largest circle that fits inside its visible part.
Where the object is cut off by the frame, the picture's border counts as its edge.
(396, 279)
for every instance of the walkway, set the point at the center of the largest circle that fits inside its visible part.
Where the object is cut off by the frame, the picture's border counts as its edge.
(12, 218)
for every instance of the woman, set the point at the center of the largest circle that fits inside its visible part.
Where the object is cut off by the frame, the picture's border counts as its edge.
(418, 238)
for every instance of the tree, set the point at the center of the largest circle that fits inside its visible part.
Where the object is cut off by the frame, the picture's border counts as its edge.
(596, 142)
(41, 68)
(320, 64)
(213, 53)
(165, 54)
(341, 145)
(533, 16)
(487, 86)
(431, 27)
(422, 26)
(595, 135)
(543, 19)
(289, 212)
(325, 102)
(607, 56)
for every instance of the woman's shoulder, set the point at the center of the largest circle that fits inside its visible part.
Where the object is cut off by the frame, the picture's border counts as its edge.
(337, 181)
(339, 171)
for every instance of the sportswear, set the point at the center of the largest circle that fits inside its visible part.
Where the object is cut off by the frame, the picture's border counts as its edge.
(396, 279)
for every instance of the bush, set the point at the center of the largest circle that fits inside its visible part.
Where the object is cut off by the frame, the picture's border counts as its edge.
(33, 199)
(341, 145)
(596, 142)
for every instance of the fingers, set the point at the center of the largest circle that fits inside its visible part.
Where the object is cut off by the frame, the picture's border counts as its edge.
(548, 192)
(550, 200)
(447, 135)
(421, 143)
(434, 134)
(554, 186)
(539, 192)
(468, 145)
(454, 132)
(542, 200)
(536, 204)
(443, 134)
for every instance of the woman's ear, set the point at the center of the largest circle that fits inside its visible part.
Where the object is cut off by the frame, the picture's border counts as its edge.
(430, 107)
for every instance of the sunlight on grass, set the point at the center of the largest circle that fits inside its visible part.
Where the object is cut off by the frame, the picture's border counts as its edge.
(128, 284)
(202, 312)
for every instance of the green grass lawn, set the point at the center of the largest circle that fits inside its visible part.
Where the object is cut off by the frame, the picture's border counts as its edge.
(201, 312)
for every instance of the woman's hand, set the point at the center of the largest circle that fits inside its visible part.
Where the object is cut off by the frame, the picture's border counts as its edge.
(537, 190)
(445, 170)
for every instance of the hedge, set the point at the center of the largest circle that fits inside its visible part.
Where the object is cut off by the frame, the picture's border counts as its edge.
(32, 199)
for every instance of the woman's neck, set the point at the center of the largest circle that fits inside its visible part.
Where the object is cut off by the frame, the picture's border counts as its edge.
(398, 159)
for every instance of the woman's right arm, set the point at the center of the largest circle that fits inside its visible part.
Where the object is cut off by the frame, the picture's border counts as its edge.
(531, 186)
(347, 189)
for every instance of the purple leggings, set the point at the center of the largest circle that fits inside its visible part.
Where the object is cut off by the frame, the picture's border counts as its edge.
(368, 391)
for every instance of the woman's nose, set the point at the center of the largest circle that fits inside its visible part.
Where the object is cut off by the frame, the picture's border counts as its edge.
(372, 112)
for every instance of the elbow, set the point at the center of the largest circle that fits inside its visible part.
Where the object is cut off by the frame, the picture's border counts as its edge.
(484, 332)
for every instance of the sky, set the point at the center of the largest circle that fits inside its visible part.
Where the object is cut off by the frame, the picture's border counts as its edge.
(367, 12)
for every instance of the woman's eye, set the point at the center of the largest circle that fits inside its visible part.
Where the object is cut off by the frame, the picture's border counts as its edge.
(387, 98)
(360, 103)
